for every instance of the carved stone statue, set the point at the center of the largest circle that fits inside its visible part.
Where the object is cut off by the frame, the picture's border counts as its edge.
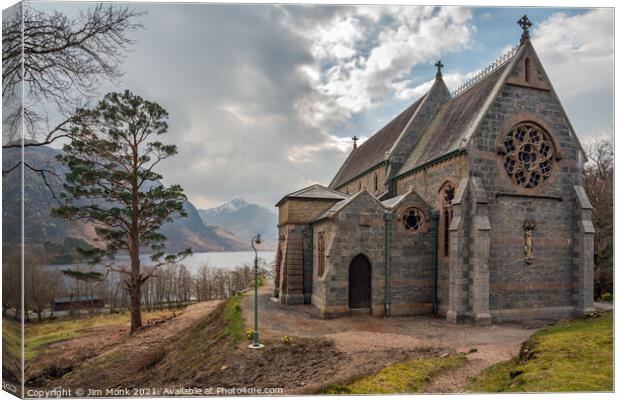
(528, 248)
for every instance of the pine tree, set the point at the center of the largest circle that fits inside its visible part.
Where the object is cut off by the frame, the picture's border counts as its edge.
(112, 183)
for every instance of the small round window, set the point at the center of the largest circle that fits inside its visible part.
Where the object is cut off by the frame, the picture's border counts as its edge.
(413, 219)
(529, 155)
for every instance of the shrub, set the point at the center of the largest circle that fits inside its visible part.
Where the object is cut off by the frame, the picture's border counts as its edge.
(607, 297)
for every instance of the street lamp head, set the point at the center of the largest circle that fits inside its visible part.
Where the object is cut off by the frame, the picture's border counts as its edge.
(257, 240)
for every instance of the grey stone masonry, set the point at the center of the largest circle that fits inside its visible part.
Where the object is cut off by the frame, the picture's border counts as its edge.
(480, 248)
(458, 282)
(291, 281)
(584, 253)
(551, 283)
(346, 236)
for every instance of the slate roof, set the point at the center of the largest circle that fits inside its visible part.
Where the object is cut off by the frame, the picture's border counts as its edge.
(334, 209)
(389, 203)
(315, 191)
(372, 151)
(452, 122)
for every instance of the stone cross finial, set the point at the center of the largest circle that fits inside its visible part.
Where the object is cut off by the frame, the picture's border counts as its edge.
(525, 24)
(355, 139)
(439, 66)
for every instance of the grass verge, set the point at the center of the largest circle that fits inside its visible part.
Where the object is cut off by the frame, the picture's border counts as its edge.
(233, 318)
(11, 339)
(574, 355)
(40, 335)
(407, 377)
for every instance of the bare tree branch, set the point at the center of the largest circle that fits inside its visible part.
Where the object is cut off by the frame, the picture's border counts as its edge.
(64, 59)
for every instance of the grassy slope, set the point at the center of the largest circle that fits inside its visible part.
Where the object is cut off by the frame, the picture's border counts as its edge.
(11, 339)
(188, 353)
(407, 377)
(575, 355)
(38, 336)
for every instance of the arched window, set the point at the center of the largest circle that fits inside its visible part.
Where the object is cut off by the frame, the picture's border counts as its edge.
(321, 258)
(529, 155)
(527, 69)
(445, 218)
(376, 182)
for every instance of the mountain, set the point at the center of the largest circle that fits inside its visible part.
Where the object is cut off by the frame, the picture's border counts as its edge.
(55, 235)
(244, 220)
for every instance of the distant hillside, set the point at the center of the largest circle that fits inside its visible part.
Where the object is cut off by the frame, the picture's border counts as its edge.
(244, 220)
(41, 229)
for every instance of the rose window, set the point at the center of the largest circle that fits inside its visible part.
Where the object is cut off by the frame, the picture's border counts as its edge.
(528, 159)
(413, 219)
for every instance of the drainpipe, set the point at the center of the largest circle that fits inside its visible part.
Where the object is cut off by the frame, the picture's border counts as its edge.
(435, 217)
(388, 216)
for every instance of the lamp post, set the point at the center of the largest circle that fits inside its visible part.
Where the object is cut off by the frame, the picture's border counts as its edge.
(255, 343)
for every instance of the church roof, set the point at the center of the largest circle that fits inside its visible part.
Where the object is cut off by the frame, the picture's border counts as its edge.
(453, 121)
(336, 208)
(389, 203)
(436, 125)
(373, 151)
(315, 191)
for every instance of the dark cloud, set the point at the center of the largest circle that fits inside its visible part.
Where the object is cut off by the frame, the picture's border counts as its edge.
(228, 77)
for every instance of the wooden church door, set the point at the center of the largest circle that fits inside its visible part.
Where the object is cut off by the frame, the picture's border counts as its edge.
(359, 283)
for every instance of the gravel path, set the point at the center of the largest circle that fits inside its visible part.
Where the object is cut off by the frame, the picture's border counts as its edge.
(355, 334)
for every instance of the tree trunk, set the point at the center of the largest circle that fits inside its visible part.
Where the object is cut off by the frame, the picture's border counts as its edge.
(136, 312)
(134, 292)
(134, 238)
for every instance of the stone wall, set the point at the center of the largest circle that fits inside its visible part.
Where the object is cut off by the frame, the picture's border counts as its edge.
(544, 287)
(411, 286)
(356, 229)
(427, 183)
(359, 228)
(302, 211)
(367, 182)
(295, 269)
(291, 289)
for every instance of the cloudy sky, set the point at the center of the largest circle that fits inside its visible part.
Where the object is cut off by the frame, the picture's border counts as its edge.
(263, 99)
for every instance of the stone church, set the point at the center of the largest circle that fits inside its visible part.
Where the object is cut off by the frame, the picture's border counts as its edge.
(468, 205)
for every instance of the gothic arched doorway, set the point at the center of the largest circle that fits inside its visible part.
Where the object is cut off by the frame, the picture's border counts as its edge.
(359, 283)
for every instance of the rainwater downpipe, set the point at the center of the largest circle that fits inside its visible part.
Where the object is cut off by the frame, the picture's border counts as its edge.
(388, 216)
(435, 218)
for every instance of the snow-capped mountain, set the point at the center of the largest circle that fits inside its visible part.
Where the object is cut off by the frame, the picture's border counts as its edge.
(244, 220)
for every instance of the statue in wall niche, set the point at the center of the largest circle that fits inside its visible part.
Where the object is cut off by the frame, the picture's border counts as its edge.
(528, 247)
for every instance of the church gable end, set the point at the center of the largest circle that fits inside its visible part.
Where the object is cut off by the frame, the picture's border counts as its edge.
(526, 156)
(528, 72)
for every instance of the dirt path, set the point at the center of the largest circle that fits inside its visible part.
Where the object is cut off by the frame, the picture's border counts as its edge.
(102, 342)
(160, 334)
(484, 356)
(361, 336)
